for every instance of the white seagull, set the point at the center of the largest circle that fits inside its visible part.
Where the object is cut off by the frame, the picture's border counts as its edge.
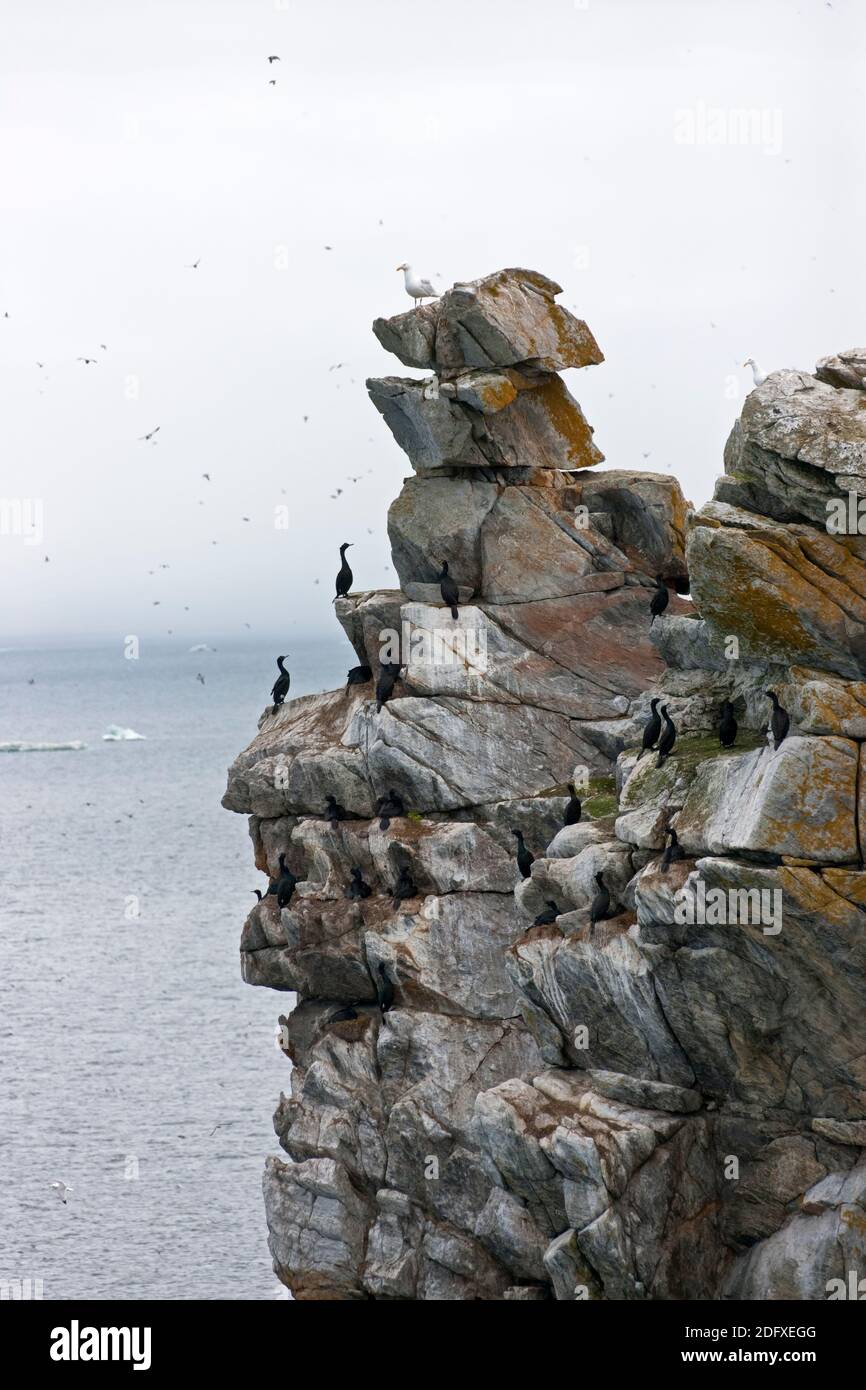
(416, 287)
(62, 1189)
(759, 376)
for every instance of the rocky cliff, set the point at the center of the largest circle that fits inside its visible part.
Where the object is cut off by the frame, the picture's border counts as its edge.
(667, 1103)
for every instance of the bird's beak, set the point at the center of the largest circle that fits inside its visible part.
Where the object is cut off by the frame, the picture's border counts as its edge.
(746, 363)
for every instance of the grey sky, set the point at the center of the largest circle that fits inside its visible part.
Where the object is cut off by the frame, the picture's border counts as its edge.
(139, 137)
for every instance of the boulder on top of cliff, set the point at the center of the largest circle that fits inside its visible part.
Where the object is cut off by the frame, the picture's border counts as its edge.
(543, 427)
(506, 319)
(845, 369)
(792, 594)
(798, 442)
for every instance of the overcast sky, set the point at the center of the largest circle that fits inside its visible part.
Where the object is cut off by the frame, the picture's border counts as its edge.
(573, 138)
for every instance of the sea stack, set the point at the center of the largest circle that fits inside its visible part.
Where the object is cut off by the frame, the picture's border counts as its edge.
(595, 1084)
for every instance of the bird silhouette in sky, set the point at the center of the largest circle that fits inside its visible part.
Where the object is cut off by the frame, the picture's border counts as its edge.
(274, 58)
(195, 265)
(151, 434)
(86, 360)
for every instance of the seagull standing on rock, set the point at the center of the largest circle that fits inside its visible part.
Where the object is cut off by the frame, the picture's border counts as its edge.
(759, 376)
(416, 286)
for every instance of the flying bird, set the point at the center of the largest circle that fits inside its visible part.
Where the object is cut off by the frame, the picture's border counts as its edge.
(88, 361)
(199, 677)
(206, 475)
(195, 265)
(62, 1189)
(274, 58)
(151, 434)
(416, 286)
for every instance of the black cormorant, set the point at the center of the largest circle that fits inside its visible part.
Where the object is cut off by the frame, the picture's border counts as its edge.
(672, 851)
(450, 592)
(651, 730)
(334, 811)
(345, 576)
(600, 903)
(359, 675)
(391, 804)
(342, 1015)
(404, 887)
(525, 859)
(780, 721)
(358, 888)
(727, 726)
(258, 893)
(389, 673)
(660, 599)
(282, 683)
(668, 738)
(546, 919)
(573, 810)
(285, 884)
(385, 988)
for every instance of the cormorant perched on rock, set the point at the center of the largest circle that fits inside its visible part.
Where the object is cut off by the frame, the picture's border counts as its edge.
(600, 903)
(389, 672)
(357, 888)
(727, 726)
(342, 1015)
(359, 675)
(525, 859)
(651, 729)
(573, 810)
(672, 851)
(404, 887)
(258, 893)
(345, 575)
(391, 804)
(449, 590)
(660, 599)
(334, 811)
(285, 884)
(385, 988)
(545, 919)
(668, 738)
(780, 721)
(281, 684)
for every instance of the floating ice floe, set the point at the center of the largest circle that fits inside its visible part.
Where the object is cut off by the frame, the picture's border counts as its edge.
(22, 746)
(116, 734)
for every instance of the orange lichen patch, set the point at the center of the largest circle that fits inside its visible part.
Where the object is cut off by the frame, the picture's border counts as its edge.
(815, 896)
(497, 393)
(569, 421)
(847, 883)
(748, 590)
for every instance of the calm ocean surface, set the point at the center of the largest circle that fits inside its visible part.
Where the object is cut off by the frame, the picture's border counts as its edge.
(125, 1041)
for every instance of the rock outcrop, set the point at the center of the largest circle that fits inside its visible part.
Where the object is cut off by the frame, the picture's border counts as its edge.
(669, 1102)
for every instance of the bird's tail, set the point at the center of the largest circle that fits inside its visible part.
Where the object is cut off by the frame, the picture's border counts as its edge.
(661, 759)
(378, 706)
(455, 615)
(384, 823)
